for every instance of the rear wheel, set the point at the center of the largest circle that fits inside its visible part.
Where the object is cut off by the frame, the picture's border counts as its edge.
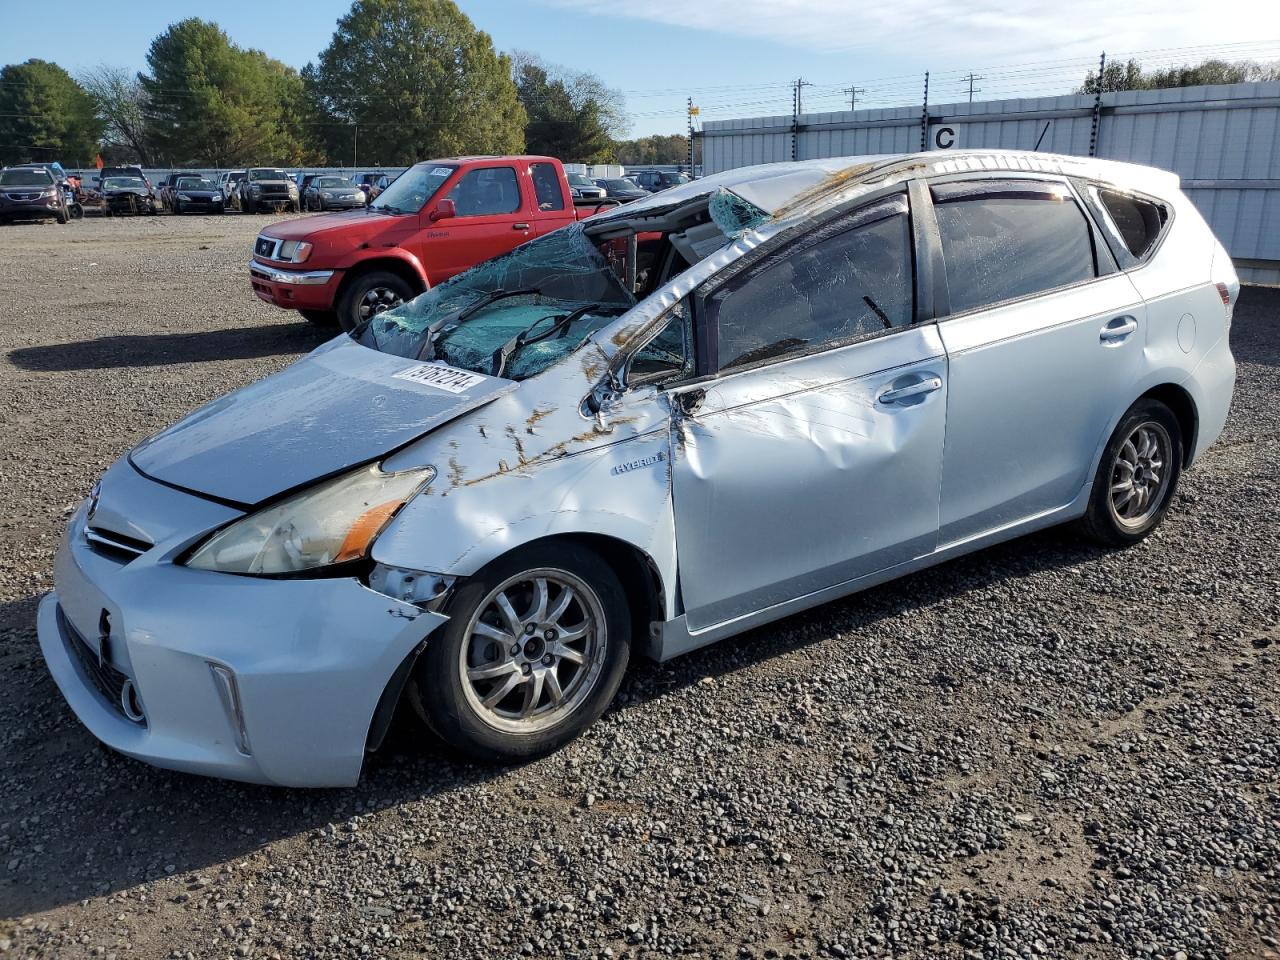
(533, 652)
(1137, 476)
(370, 294)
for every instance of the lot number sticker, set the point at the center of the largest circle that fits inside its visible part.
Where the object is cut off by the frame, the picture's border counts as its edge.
(441, 377)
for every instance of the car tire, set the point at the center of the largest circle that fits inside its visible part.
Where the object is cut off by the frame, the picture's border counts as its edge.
(449, 689)
(64, 216)
(1137, 476)
(377, 288)
(321, 318)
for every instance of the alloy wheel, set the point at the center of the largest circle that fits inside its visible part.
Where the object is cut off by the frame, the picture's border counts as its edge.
(1140, 474)
(534, 651)
(378, 300)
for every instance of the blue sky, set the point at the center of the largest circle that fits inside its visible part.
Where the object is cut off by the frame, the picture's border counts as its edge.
(735, 57)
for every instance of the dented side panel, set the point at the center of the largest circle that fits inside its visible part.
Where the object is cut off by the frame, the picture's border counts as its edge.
(799, 475)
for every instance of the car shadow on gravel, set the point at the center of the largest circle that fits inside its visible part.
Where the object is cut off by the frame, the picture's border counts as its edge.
(140, 823)
(161, 349)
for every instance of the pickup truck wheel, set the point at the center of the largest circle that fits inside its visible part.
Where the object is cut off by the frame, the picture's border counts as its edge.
(370, 294)
(321, 318)
(533, 652)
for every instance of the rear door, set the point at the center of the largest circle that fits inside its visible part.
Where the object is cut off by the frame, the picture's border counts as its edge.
(813, 457)
(491, 219)
(1044, 340)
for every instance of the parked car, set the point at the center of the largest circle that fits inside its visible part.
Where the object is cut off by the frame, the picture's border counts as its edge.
(196, 195)
(435, 220)
(164, 189)
(373, 183)
(230, 184)
(799, 380)
(332, 193)
(620, 188)
(128, 195)
(268, 188)
(584, 189)
(31, 193)
(655, 180)
(126, 171)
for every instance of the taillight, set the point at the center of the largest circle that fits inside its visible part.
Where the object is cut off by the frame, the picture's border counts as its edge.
(1225, 293)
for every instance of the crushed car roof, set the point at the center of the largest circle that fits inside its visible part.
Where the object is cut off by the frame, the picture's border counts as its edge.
(777, 188)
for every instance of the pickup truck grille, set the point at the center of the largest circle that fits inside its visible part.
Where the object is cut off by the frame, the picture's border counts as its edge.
(266, 247)
(274, 190)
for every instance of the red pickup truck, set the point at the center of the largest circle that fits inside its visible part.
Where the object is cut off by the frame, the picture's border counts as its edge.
(435, 220)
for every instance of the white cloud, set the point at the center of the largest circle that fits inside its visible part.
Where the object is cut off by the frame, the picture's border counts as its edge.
(952, 31)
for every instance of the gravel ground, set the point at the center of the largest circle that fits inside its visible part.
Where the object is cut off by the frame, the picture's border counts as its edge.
(1044, 749)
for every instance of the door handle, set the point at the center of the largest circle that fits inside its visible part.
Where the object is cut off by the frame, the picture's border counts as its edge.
(919, 388)
(519, 226)
(1117, 329)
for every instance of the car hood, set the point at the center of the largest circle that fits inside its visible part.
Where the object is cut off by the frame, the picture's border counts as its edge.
(338, 407)
(352, 223)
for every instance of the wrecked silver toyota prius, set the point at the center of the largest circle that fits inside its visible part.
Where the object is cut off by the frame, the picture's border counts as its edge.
(661, 426)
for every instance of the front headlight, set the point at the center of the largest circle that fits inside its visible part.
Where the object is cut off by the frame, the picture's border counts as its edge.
(46, 194)
(183, 196)
(328, 194)
(295, 251)
(332, 522)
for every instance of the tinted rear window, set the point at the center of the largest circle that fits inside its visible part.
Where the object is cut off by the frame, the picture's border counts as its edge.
(1138, 221)
(1008, 239)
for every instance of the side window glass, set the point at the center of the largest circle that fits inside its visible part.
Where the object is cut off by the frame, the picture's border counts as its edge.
(1007, 239)
(1139, 222)
(848, 279)
(669, 355)
(486, 192)
(546, 186)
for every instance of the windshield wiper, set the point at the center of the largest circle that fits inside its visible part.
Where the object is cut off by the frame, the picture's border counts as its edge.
(493, 296)
(502, 356)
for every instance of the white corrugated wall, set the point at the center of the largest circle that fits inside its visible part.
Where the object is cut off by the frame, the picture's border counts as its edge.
(1224, 141)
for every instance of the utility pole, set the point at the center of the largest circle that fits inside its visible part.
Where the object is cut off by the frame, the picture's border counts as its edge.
(692, 112)
(970, 78)
(924, 116)
(796, 110)
(853, 95)
(355, 141)
(1097, 105)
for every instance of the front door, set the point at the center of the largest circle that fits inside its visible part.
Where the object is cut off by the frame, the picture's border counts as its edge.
(491, 220)
(814, 457)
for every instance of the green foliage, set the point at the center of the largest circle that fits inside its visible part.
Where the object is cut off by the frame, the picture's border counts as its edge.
(564, 122)
(659, 148)
(211, 103)
(1130, 76)
(46, 115)
(407, 80)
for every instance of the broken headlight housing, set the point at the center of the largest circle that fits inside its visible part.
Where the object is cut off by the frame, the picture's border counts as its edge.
(333, 522)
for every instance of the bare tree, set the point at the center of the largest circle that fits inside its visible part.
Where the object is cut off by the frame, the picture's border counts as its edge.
(121, 102)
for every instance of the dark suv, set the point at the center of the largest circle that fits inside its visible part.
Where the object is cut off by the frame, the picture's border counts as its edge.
(30, 193)
(656, 180)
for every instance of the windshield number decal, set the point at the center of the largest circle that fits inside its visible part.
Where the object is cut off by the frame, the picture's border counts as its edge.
(441, 377)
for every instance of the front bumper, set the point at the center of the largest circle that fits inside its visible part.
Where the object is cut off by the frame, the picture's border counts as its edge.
(310, 660)
(45, 207)
(295, 289)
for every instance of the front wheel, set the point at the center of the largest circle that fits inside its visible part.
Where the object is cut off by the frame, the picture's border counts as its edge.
(1137, 476)
(370, 294)
(64, 215)
(532, 654)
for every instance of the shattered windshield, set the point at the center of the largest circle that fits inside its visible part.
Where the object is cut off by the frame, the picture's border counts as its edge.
(513, 316)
